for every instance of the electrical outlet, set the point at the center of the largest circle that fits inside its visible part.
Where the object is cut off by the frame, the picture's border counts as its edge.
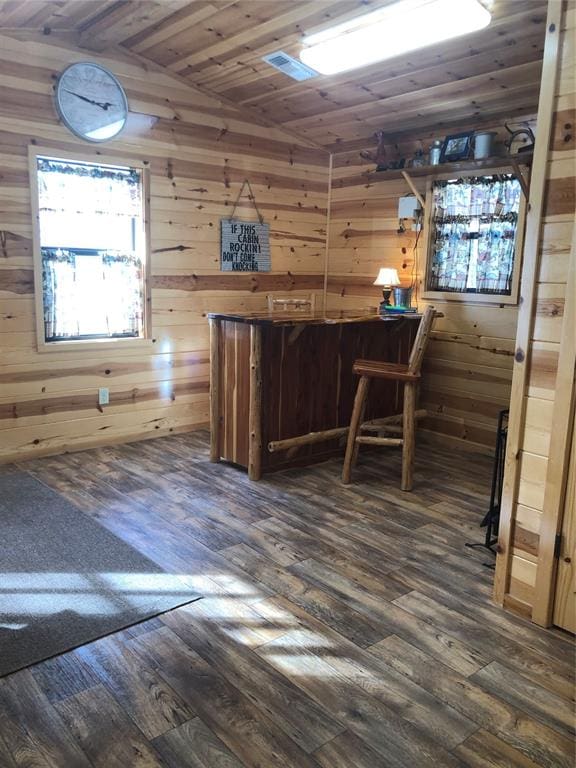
(103, 396)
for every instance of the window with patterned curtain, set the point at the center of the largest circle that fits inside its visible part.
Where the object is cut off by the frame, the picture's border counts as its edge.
(473, 235)
(93, 250)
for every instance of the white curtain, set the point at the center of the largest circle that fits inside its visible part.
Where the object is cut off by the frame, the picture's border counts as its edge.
(122, 282)
(91, 294)
(60, 315)
(79, 188)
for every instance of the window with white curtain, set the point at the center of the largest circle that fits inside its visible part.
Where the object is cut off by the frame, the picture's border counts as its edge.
(92, 244)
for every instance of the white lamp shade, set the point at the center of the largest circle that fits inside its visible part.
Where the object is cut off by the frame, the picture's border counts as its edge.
(387, 276)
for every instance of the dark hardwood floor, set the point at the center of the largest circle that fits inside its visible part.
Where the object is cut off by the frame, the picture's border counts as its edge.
(341, 626)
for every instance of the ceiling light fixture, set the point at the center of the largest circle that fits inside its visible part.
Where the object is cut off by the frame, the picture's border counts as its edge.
(390, 31)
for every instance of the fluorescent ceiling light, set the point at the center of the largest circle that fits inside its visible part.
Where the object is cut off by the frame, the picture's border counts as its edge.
(390, 31)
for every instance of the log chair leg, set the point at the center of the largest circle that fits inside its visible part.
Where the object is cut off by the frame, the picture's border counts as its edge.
(408, 435)
(360, 422)
(356, 420)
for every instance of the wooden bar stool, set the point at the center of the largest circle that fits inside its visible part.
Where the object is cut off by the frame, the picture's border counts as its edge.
(409, 375)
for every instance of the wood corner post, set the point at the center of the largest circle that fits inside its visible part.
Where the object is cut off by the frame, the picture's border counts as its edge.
(526, 312)
(215, 452)
(255, 406)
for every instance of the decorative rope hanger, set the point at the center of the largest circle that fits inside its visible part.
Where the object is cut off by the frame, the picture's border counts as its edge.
(251, 197)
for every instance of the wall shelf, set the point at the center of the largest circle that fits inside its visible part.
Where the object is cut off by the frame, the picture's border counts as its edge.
(524, 158)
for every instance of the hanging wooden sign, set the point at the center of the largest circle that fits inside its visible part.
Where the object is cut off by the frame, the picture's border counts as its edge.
(245, 246)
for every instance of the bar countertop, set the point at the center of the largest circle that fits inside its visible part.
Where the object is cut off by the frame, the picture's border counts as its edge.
(335, 317)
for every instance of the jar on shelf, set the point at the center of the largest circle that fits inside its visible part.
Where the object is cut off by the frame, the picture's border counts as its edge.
(483, 144)
(419, 159)
(435, 150)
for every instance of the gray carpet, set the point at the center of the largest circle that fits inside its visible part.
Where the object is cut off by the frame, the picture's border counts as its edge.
(66, 580)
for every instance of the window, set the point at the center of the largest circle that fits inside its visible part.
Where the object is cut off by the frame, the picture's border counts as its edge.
(475, 227)
(91, 248)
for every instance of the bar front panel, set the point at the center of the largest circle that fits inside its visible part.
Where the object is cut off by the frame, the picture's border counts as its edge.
(307, 383)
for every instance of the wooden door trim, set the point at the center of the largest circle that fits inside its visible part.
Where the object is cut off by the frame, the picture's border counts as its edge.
(327, 240)
(527, 298)
(559, 454)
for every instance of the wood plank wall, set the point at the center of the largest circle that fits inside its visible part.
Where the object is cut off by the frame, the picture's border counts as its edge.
(558, 220)
(199, 152)
(468, 369)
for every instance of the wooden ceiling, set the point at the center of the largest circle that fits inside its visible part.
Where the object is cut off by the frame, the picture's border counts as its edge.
(218, 46)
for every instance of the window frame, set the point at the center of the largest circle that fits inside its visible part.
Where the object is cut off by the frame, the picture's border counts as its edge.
(84, 344)
(463, 296)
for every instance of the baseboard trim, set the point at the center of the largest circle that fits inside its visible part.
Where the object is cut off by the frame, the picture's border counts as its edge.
(449, 441)
(16, 458)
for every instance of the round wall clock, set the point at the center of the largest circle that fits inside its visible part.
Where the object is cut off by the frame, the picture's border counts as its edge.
(91, 102)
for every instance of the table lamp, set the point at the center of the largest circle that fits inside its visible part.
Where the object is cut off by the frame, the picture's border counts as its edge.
(387, 278)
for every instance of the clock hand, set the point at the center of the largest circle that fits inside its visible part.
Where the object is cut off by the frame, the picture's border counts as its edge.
(101, 104)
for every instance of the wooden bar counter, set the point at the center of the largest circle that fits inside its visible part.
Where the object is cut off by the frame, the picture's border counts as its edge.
(282, 387)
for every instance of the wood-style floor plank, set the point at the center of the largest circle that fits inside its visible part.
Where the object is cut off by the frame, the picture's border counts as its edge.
(361, 670)
(193, 745)
(149, 702)
(6, 759)
(32, 729)
(242, 726)
(303, 658)
(484, 638)
(340, 626)
(468, 696)
(541, 704)
(104, 731)
(316, 601)
(299, 717)
(484, 750)
(349, 750)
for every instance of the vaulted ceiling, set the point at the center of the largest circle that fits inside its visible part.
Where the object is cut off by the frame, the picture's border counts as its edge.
(218, 46)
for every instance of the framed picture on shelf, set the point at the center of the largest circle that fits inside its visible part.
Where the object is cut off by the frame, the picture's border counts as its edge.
(456, 147)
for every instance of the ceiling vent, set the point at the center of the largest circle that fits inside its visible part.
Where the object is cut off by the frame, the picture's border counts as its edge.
(290, 66)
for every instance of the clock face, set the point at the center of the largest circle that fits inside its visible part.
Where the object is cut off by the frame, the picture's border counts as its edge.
(91, 102)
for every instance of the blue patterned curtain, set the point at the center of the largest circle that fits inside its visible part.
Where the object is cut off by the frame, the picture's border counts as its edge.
(474, 233)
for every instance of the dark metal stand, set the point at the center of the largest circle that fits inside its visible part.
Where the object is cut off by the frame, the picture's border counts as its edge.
(492, 517)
